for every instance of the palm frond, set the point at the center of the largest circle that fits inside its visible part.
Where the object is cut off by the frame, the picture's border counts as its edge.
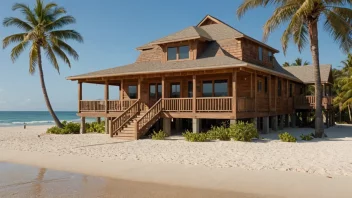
(13, 21)
(339, 28)
(62, 55)
(300, 37)
(17, 50)
(67, 35)
(68, 49)
(15, 38)
(249, 4)
(27, 12)
(52, 58)
(38, 9)
(61, 22)
(33, 59)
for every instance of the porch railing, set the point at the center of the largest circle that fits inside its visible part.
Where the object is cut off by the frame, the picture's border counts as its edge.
(92, 105)
(149, 117)
(178, 104)
(99, 105)
(309, 101)
(211, 104)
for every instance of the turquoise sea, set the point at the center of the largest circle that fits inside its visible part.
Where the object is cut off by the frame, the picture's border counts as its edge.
(13, 118)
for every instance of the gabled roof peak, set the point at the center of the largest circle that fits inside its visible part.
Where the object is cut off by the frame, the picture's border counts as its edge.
(208, 20)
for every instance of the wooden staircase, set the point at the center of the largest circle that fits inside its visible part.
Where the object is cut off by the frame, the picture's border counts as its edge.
(134, 122)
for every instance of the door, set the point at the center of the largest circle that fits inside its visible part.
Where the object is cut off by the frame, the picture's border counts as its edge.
(154, 93)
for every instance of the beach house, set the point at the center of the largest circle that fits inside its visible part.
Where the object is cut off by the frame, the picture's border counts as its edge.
(201, 76)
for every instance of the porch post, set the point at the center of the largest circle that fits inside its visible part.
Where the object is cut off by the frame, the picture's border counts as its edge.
(121, 95)
(194, 102)
(324, 90)
(163, 91)
(270, 87)
(107, 120)
(139, 88)
(195, 125)
(265, 125)
(83, 125)
(255, 91)
(286, 120)
(293, 120)
(79, 96)
(106, 96)
(282, 122)
(167, 126)
(234, 92)
(274, 123)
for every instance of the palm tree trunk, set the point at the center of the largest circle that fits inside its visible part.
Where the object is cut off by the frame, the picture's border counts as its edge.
(46, 97)
(314, 47)
(349, 112)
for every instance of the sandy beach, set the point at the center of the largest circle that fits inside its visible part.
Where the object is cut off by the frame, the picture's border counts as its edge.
(242, 167)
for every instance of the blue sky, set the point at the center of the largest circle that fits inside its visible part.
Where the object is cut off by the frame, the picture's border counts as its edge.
(112, 30)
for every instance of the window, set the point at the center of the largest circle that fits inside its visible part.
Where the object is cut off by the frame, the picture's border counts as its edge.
(132, 91)
(266, 84)
(290, 90)
(270, 56)
(207, 88)
(279, 88)
(152, 91)
(172, 53)
(190, 89)
(216, 88)
(259, 88)
(159, 91)
(178, 53)
(175, 91)
(260, 53)
(183, 52)
(220, 88)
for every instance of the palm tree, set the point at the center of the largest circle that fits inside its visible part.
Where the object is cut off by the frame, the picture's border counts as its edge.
(42, 31)
(286, 64)
(344, 87)
(302, 17)
(299, 62)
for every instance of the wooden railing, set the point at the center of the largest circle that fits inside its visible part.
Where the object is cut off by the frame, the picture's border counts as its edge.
(178, 104)
(152, 115)
(309, 101)
(120, 122)
(211, 104)
(92, 105)
(245, 104)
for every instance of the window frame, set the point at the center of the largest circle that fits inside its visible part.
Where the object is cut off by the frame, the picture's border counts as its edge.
(129, 93)
(270, 56)
(178, 53)
(260, 53)
(176, 84)
(213, 81)
(259, 86)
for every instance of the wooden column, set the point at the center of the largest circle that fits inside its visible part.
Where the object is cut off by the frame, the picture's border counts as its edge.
(139, 88)
(276, 91)
(251, 85)
(79, 96)
(270, 93)
(162, 90)
(324, 90)
(255, 91)
(234, 92)
(121, 94)
(194, 94)
(106, 96)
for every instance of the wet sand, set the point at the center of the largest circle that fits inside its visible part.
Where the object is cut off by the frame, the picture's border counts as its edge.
(28, 181)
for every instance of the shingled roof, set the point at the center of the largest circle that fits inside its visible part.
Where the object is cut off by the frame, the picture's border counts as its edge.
(213, 32)
(306, 73)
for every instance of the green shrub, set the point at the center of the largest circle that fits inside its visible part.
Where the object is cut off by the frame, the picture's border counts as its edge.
(219, 133)
(72, 128)
(160, 135)
(286, 137)
(68, 128)
(307, 137)
(243, 131)
(95, 127)
(195, 137)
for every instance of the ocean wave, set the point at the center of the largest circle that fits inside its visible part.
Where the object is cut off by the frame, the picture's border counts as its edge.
(34, 122)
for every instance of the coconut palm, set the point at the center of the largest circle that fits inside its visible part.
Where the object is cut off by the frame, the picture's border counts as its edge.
(344, 87)
(42, 31)
(286, 64)
(302, 17)
(299, 62)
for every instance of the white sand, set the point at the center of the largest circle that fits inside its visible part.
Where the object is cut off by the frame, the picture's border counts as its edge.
(326, 157)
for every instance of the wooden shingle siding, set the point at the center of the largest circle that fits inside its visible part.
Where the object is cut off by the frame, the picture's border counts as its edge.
(154, 54)
(250, 53)
(232, 47)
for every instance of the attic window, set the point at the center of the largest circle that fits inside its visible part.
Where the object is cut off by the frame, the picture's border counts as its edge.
(271, 57)
(260, 53)
(178, 53)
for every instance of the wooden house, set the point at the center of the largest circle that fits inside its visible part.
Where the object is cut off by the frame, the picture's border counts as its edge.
(198, 77)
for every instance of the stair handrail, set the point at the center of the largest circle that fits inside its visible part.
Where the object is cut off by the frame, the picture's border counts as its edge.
(149, 115)
(130, 113)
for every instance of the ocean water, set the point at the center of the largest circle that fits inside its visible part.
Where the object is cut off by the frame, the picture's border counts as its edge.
(13, 118)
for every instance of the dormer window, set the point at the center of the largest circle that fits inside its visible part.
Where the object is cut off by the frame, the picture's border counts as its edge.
(260, 53)
(271, 57)
(178, 53)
